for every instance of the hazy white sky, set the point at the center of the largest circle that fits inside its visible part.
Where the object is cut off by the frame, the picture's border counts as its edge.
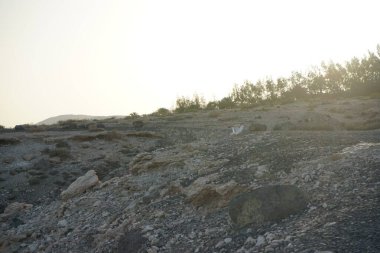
(117, 57)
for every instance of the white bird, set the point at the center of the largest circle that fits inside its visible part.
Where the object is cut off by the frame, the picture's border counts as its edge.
(237, 130)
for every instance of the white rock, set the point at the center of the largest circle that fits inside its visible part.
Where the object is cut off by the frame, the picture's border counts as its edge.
(260, 240)
(147, 228)
(228, 240)
(153, 249)
(33, 247)
(80, 185)
(329, 224)
(97, 203)
(62, 223)
(250, 241)
(219, 244)
(269, 236)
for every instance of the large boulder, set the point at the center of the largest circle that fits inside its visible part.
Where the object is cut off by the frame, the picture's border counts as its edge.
(80, 185)
(203, 193)
(269, 203)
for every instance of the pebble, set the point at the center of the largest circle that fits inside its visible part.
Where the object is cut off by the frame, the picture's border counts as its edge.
(147, 228)
(33, 247)
(250, 241)
(269, 236)
(62, 223)
(260, 240)
(153, 249)
(219, 244)
(192, 235)
(228, 240)
(329, 224)
(97, 203)
(312, 208)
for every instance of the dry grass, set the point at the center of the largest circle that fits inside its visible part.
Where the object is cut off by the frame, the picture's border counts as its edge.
(336, 157)
(214, 114)
(230, 118)
(145, 134)
(371, 124)
(108, 136)
(257, 127)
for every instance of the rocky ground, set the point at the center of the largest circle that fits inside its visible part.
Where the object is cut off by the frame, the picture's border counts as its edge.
(170, 183)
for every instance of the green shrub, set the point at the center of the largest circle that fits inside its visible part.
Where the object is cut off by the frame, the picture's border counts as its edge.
(162, 112)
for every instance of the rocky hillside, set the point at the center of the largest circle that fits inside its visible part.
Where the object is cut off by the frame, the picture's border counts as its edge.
(56, 119)
(300, 177)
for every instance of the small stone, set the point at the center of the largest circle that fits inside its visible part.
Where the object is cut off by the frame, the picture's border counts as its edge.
(28, 157)
(261, 171)
(33, 247)
(219, 244)
(269, 249)
(329, 224)
(147, 228)
(228, 240)
(241, 250)
(250, 241)
(105, 214)
(269, 236)
(152, 249)
(55, 159)
(307, 178)
(324, 205)
(97, 203)
(290, 246)
(260, 241)
(62, 223)
(159, 214)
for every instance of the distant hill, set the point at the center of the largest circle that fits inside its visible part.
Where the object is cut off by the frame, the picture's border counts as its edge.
(56, 119)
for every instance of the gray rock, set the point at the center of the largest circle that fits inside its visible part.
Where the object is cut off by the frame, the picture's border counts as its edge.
(62, 223)
(260, 241)
(250, 241)
(80, 185)
(269, 203)
(228, 240)
(219, 244)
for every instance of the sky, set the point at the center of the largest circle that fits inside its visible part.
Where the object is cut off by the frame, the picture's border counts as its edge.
(117, 57)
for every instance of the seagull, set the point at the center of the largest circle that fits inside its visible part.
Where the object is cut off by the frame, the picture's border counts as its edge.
(237, 130)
